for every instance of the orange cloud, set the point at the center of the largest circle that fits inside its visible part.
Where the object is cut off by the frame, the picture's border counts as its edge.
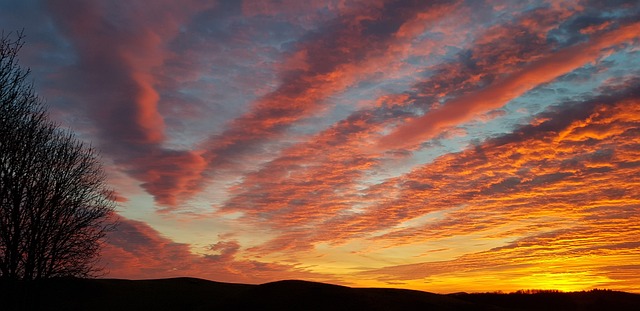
(554, 203)
(560, 197)
(465, 107)
(299, 188)
(564, 187)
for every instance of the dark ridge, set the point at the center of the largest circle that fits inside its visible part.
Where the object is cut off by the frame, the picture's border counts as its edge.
(116, 294)
(197, 294)
(584, 301)
(303, 295)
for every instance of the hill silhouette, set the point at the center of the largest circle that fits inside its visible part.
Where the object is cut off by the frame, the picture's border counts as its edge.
(197, 294)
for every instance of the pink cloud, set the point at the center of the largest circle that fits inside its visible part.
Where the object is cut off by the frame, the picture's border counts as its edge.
(466, 107)
(115, 75)
(170, 175)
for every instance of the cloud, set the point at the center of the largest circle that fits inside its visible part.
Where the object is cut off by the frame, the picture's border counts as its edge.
(531, 181)
(115, 60)
(138, 251)
(118, 49)
(542, 165)
(567, 259)
(124, 56)
(132, 88)
(226, 250)
(117, 197)
(170, 175)
(546, 69)
(306, 185)
(271, 108)
(323, 63)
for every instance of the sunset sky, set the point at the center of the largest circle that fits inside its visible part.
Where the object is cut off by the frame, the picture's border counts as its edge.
(436, 145)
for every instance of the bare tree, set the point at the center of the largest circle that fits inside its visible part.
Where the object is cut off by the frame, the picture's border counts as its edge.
(55, 206)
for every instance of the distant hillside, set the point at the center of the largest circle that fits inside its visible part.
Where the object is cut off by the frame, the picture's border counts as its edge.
(197, 294)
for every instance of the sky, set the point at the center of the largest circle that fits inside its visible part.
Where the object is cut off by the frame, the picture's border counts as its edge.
(442, 146)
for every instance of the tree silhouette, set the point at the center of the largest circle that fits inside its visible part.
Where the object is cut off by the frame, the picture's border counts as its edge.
(55, 205)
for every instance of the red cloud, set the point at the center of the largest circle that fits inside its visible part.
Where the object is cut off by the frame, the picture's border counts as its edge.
(137, 251)
(170, 175)
(532, 175)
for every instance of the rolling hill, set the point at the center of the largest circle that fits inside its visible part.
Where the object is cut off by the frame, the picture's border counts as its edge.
(197, 294)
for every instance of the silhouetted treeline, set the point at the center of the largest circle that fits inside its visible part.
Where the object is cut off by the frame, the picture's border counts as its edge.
(557, 300)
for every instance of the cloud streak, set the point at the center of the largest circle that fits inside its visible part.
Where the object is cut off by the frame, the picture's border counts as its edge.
(544, 70)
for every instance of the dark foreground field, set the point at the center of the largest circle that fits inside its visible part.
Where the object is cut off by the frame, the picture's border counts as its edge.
(196, 294)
